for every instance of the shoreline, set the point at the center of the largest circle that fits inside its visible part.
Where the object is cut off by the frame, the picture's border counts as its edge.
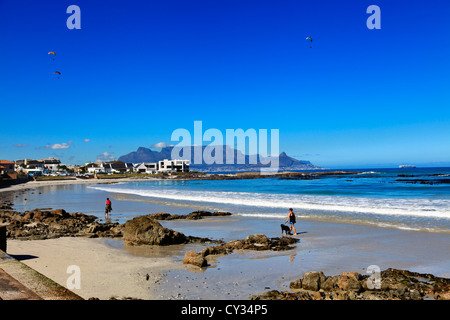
(200, 176)
(44, 183)
(110, 269)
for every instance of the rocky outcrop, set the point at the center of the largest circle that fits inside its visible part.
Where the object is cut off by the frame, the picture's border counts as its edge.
(252, 242)
(145, 230)
(196, 215)
(39, 224)
(395, 285)
(194, 258)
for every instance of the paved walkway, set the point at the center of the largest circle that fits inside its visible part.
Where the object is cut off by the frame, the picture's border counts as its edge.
(11, 289)
(20, 282)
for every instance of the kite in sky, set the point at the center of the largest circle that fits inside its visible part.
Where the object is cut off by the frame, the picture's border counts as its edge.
(54, 55)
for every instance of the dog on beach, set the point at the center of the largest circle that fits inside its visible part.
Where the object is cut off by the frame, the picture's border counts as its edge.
(285, 229)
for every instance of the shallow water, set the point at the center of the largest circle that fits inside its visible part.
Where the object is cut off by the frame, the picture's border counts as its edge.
(373, 197)
(325, 244)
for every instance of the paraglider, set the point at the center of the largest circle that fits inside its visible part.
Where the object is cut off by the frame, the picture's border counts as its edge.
(310, 39)
(54, 54)
(57, 72)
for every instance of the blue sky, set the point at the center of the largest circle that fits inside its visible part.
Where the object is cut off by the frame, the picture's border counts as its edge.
(138, 70)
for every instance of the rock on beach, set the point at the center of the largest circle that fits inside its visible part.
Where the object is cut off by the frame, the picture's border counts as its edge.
(395, 285)
(40, 224)
(145, 230)
(252, 242)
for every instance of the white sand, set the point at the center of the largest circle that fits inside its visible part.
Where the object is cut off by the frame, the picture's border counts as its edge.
(108, 271)
(36, 184)
(112, 271)
(105, 271)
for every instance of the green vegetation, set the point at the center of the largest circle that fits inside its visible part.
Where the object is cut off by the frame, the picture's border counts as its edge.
(46, 178)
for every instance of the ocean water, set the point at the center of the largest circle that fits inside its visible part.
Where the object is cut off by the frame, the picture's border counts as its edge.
(408, 198)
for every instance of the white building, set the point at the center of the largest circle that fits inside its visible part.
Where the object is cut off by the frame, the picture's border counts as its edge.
(50, 164)
(95, 168)
(173, 166)
(146, 167)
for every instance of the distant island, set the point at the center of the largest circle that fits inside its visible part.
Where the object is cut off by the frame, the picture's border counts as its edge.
(286, 163)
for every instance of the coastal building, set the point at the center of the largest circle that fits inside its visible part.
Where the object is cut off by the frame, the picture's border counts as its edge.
(47, 165)
(109, 167)
(7, 170)
(6, 166)
(29, 163)
(164, 166)
(118, 167)
(173, 166)
(50, 164)
(146, 167)
(95, 168)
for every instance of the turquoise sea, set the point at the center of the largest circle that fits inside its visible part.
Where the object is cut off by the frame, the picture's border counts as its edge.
(408, 198)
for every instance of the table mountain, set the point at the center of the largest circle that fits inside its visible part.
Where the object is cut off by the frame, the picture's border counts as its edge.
(143, 154)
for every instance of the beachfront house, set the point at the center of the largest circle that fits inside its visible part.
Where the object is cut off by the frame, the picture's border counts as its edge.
(116, 167)
(173, 166)
(95, 168)
(7, 170)
(146, 167)
(50, 164)
(6, 167)
(129, 166)
(45, 165)
(30, 164)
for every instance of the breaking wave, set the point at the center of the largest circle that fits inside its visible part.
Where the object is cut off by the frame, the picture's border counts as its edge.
(426, 208)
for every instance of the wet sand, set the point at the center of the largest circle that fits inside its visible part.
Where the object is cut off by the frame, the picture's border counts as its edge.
(45, 183)
(110, 269)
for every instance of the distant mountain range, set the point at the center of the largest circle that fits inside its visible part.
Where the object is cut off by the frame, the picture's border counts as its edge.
(285, 162)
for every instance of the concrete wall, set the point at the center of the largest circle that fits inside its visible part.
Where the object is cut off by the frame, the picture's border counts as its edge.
(3, 238)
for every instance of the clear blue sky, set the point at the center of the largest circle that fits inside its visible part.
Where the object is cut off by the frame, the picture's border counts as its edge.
(138, 70)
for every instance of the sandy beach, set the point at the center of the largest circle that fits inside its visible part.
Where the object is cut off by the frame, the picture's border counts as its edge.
(110, 269)
(44, 183)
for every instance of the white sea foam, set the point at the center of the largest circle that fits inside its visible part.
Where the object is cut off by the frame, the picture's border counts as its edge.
(362, 205)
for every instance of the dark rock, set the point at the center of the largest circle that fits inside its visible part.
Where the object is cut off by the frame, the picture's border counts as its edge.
(297, 284)
(312, 280)
(252, 242)
(330, 284)
(148, 231)
(196, 215)
(145, 230)
(395, 285)
(349, 281)
(196, 259)
(43, 224)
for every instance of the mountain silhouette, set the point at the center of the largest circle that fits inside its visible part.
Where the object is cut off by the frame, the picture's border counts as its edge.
(207, 163)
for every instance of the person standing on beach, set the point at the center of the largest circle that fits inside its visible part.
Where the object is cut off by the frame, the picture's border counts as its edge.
(108, 209)
(292, 221)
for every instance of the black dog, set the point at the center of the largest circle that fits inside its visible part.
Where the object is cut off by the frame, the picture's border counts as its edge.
(285, 229)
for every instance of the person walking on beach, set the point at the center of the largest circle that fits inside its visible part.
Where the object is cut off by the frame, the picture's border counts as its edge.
(108, 209)
(291, 219)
